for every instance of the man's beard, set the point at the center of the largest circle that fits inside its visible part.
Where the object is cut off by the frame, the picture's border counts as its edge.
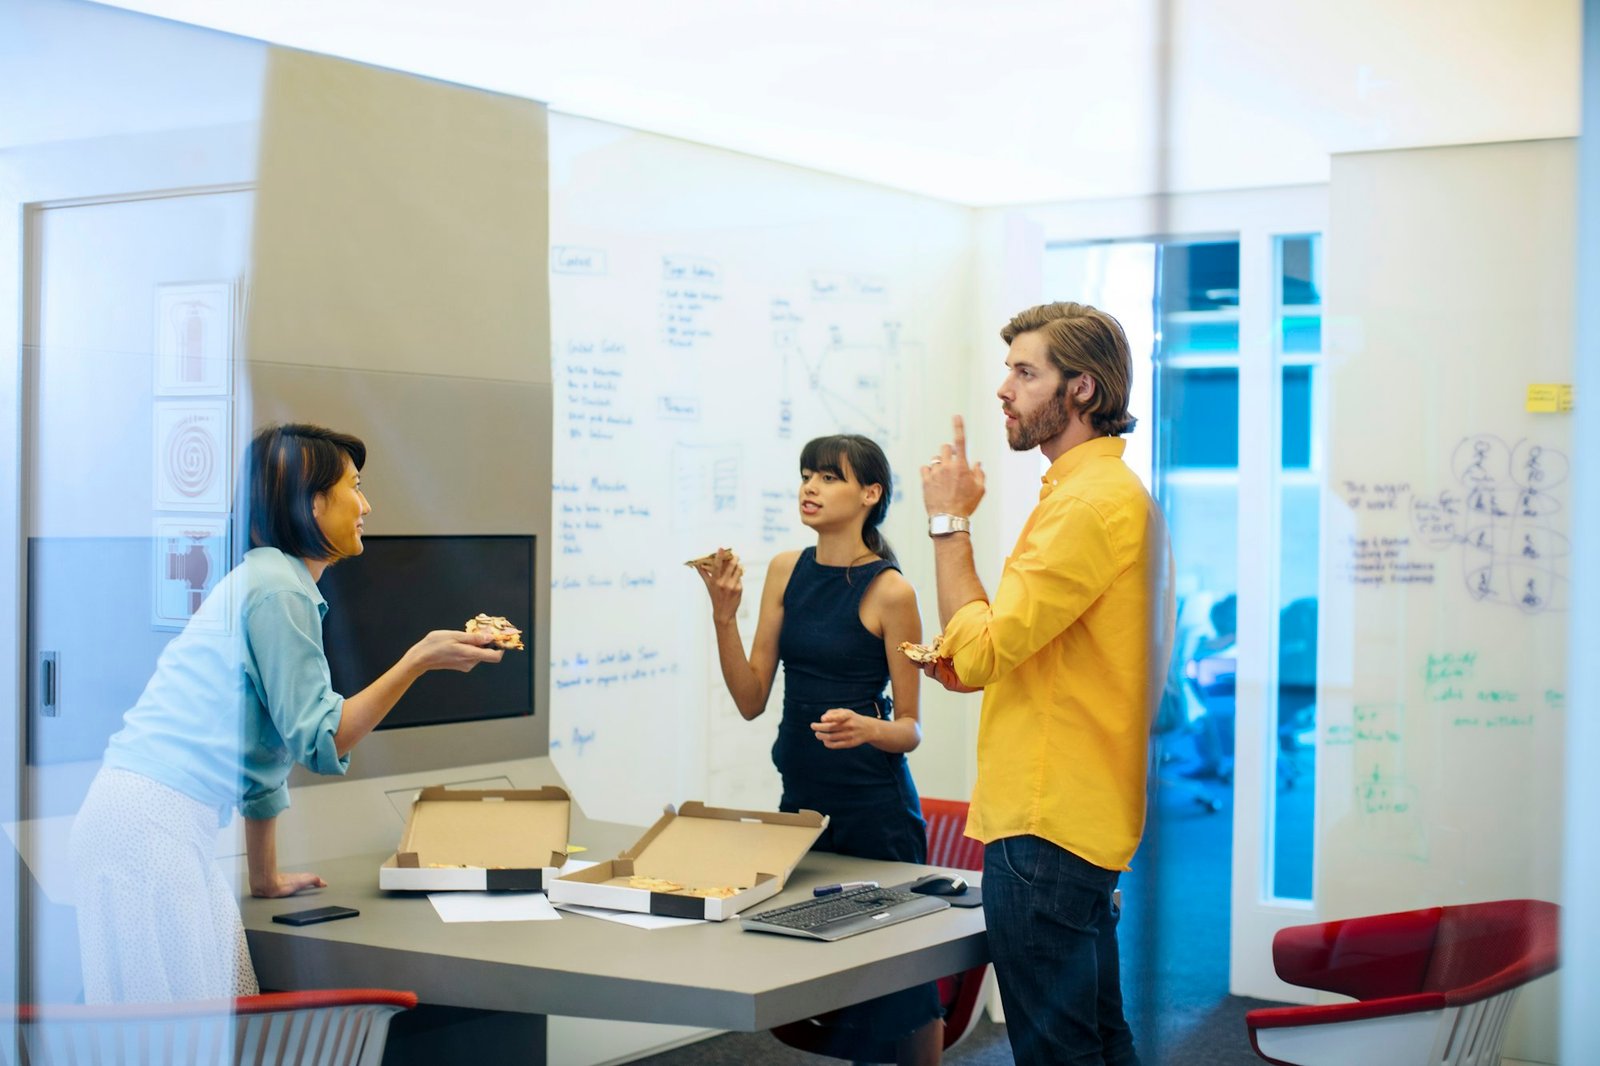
(1044, 424)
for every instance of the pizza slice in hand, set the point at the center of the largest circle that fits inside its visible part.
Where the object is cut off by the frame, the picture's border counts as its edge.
(923, 653)
(706, 562)
(502, 633)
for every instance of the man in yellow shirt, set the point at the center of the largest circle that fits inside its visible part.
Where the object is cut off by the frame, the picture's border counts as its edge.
(1070, 653)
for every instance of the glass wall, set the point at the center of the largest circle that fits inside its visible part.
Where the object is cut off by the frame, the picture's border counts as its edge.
(1180, 304)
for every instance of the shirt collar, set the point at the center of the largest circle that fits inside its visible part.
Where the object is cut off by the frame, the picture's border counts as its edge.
(302, 572)
(1069, 461)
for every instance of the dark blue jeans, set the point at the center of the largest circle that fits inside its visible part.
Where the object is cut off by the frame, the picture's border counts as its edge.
(1053, 938)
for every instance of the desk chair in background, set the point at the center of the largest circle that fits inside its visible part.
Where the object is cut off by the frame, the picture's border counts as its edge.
(1297, 685)
(1432, 987)
(962, 995)
(341, 1027)
(1210, 672)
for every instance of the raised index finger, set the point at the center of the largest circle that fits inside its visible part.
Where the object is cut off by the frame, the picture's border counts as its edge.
(959, 434)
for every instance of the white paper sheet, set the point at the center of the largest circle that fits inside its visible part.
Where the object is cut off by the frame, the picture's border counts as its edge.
(493, 907)
(638, 921)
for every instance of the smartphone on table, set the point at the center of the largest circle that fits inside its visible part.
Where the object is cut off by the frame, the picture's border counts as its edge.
(315, 915)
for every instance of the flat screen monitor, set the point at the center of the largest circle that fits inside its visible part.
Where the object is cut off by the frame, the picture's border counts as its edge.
(399, 588)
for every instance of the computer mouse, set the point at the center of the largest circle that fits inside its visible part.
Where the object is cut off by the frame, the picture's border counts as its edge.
(941, 885)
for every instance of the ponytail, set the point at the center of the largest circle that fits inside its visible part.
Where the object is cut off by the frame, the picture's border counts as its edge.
(873, 536)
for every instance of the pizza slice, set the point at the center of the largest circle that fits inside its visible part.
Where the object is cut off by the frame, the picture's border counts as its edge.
(654, 884)
(705, 562)
(923, 653)
(502, 633)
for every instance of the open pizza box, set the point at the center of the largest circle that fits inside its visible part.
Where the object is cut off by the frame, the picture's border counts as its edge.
(480, 839)
(734, 858)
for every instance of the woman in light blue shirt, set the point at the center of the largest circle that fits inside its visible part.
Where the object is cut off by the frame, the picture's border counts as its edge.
(239, 697)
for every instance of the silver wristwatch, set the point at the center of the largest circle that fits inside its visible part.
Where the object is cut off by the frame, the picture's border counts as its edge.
(942, 525)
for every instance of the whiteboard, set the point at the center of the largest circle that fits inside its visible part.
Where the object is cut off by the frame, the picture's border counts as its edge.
(1448, 547)
(710, 313)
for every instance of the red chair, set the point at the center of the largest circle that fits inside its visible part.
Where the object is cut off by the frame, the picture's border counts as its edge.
(343, 1027)
(1431, 986)
(962, 994)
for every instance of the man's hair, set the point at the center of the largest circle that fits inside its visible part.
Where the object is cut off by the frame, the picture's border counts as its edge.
(286, 468)
(1084, 340)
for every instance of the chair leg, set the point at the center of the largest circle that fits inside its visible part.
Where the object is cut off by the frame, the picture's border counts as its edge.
(996, 1009)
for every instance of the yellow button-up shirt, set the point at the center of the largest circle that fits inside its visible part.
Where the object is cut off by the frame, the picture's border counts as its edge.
(1071, 653)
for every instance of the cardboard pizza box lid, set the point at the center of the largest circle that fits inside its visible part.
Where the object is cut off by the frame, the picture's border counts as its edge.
(454, 835)
(722, 846)
(699, 847)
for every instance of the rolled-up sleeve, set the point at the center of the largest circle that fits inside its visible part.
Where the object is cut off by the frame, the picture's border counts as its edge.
(265, 805)
(1062, 564)
(285, 632)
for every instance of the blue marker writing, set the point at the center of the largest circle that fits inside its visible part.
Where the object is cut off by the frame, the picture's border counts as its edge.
(828, 890)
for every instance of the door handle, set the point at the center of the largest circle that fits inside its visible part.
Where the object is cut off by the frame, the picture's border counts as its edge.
(49, 683)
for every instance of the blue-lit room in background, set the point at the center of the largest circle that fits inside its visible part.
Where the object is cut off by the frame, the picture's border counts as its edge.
(1184, 296)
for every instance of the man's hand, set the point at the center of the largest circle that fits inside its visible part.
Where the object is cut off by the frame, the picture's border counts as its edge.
(279, 885)
(944, 672)
(949, 484)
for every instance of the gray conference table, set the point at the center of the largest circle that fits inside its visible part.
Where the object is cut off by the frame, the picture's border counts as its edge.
(487, 987)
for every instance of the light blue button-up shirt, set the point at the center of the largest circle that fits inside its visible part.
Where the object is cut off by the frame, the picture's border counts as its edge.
(241, 695)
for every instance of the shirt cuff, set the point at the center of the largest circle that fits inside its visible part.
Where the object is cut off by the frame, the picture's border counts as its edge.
(267, 805)
(963, 628)
(325, 758)
(961, 632)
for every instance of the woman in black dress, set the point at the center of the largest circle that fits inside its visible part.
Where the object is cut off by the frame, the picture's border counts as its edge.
(834, 616)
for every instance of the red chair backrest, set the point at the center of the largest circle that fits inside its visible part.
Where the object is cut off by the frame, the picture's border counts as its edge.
(1466, 952)
(1483, 949)
(948, 844)
(1370, 957)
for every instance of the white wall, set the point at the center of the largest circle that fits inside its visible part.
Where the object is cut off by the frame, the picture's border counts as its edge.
(1442, 715)
(821, 305)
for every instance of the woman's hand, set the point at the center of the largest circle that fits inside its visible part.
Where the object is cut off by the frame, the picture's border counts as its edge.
(277, 885)
(724, 580)
(454, 649)
(944, 672)
(841, 728)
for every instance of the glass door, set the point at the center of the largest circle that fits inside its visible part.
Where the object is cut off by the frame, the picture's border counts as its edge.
(1226, 335)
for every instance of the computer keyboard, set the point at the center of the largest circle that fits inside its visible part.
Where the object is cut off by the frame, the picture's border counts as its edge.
(845, 914)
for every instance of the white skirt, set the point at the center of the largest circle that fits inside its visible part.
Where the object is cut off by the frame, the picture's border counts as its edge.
(157, 921)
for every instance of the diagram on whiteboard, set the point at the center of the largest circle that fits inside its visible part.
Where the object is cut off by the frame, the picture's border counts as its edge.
(849, 381)
(1503, 513)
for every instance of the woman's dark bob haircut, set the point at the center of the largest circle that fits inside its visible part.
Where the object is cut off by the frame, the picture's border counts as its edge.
(852, 455)
(288, 466)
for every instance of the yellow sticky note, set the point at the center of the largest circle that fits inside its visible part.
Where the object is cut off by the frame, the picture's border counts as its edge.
(1549, 399)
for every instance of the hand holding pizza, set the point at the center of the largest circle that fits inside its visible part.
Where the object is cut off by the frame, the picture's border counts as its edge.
(455, 649)
(934, 664)
(724, 577)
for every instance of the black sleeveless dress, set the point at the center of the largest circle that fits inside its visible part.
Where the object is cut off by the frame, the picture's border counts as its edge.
(831, 660)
